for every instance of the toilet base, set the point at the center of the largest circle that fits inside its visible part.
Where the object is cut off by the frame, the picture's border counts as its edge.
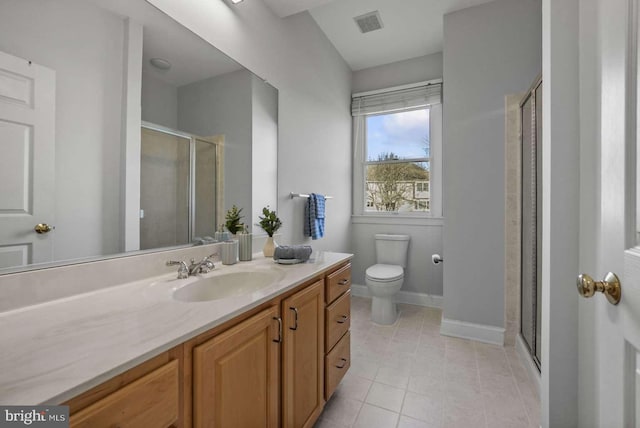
(383, 310)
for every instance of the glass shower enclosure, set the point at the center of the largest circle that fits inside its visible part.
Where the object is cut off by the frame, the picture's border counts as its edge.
(530, 296)
(180, 186)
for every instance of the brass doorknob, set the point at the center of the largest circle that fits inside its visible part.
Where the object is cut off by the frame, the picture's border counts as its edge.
(610, 287)
(43, 228)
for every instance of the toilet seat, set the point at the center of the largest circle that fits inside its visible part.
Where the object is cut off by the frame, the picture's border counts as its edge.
(384, 273)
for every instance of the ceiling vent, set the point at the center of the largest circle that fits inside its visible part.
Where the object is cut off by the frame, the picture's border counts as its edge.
(369, 22)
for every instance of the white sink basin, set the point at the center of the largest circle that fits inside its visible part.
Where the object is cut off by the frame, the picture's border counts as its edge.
(225, 285)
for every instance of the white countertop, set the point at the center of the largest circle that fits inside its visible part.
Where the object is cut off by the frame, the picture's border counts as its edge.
(54, 351)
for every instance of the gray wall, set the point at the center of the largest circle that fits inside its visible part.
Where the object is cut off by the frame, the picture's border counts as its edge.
(244, 109)
(412, 70)
(264, 148)
(421, 276)
(314, 87)
(222, 105)
(489, 51)
(83, 44)
(159, 101)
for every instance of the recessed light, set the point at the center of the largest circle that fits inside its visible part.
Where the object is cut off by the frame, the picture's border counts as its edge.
(236, 1)
(160, 63)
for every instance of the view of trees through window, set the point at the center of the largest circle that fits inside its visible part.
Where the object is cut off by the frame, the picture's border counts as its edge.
(398, 162)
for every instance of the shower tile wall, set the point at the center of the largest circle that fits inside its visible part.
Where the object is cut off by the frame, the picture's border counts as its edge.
(513, 216)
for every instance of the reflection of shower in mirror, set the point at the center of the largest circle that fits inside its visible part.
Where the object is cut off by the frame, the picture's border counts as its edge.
(180, 186)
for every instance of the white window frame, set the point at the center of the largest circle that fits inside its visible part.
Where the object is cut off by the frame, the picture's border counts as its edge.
(435, 163)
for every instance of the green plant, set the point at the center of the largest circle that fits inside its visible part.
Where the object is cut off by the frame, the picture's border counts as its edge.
(269, 221)
(233, 218)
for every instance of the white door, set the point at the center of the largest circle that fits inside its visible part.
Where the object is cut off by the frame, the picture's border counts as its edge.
(27, 148)
(609, 335)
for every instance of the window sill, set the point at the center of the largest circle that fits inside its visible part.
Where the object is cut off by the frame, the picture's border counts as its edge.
(397, 219)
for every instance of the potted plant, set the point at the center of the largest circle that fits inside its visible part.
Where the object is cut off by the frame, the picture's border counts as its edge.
(270, 223)
(232, 220)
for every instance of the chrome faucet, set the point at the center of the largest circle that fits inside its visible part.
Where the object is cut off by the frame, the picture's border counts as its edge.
(203, 266)
(183, 270)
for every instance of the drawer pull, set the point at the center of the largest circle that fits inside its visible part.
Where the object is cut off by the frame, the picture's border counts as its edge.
(279, 339)
(343, 319)
(344, 363)
(343, 281)
(295, 327)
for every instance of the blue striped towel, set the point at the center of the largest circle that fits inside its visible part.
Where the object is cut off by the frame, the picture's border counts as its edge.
(314, 216)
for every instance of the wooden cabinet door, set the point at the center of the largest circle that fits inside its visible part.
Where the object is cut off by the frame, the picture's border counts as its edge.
(303, 351)
(152, 401)
(236, 375)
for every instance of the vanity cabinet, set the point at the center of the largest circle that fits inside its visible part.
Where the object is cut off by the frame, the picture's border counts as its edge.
(338, 282)
(273, 366)
(236, 375)
(338, 319)
(149, 395)
(302, 359)
(338, 322)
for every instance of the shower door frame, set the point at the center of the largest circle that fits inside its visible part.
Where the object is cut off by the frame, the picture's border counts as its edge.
(218, 142)
(532, 348)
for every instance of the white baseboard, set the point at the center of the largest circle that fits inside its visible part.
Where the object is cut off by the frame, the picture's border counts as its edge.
(527, 361)
(408, 297)
(467, 330)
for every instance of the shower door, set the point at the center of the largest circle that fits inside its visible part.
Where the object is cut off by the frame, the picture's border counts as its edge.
(205, 176)
(164, 189)
(180, 191)
(530, 301)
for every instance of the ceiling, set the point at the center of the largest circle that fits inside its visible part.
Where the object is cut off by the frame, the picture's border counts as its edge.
(192, 58)
(411, 28)
(284, 8)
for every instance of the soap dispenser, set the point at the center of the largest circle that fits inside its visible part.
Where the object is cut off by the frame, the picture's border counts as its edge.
(245, 240)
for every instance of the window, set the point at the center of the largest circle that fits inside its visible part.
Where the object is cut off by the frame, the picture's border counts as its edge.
(397, 137)
(397, 147)
(422, 186)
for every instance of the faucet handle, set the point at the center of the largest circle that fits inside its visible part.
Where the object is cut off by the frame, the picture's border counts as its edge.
(207, 263)
(183, 270)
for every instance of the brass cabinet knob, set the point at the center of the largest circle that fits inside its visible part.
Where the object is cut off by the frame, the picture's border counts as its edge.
(610, 287)
(43, 228)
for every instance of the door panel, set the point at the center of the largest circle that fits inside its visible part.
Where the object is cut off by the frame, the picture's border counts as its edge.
(610, 334)
(16, 88)
(303, 358)
(17, 149)
(236, 376)
(538, 267)
(27, 164)
(527, 318)
(205, 189)
(164, 189)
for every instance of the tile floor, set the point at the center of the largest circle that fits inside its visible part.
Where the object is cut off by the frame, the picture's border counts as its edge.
(408, 376)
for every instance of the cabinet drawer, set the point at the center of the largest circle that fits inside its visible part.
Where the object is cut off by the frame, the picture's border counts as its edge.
(337, 320)
(337, 362)
(151, 401)
(337, 283)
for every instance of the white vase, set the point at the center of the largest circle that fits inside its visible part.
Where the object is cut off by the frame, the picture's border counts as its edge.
(269, 247)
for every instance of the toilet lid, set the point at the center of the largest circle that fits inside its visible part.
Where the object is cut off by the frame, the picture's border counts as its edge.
(384, 272)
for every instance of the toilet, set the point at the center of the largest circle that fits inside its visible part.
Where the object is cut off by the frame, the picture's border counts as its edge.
(385, 278)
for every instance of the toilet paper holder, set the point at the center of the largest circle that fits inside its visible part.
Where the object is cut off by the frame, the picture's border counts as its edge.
(436, 259)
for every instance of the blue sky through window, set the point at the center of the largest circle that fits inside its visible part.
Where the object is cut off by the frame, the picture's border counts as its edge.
(406, 134)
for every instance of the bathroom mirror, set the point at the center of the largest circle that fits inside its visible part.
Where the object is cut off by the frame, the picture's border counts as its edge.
(122, 131)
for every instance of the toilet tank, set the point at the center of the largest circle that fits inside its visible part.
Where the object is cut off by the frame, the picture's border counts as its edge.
(392, 249)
